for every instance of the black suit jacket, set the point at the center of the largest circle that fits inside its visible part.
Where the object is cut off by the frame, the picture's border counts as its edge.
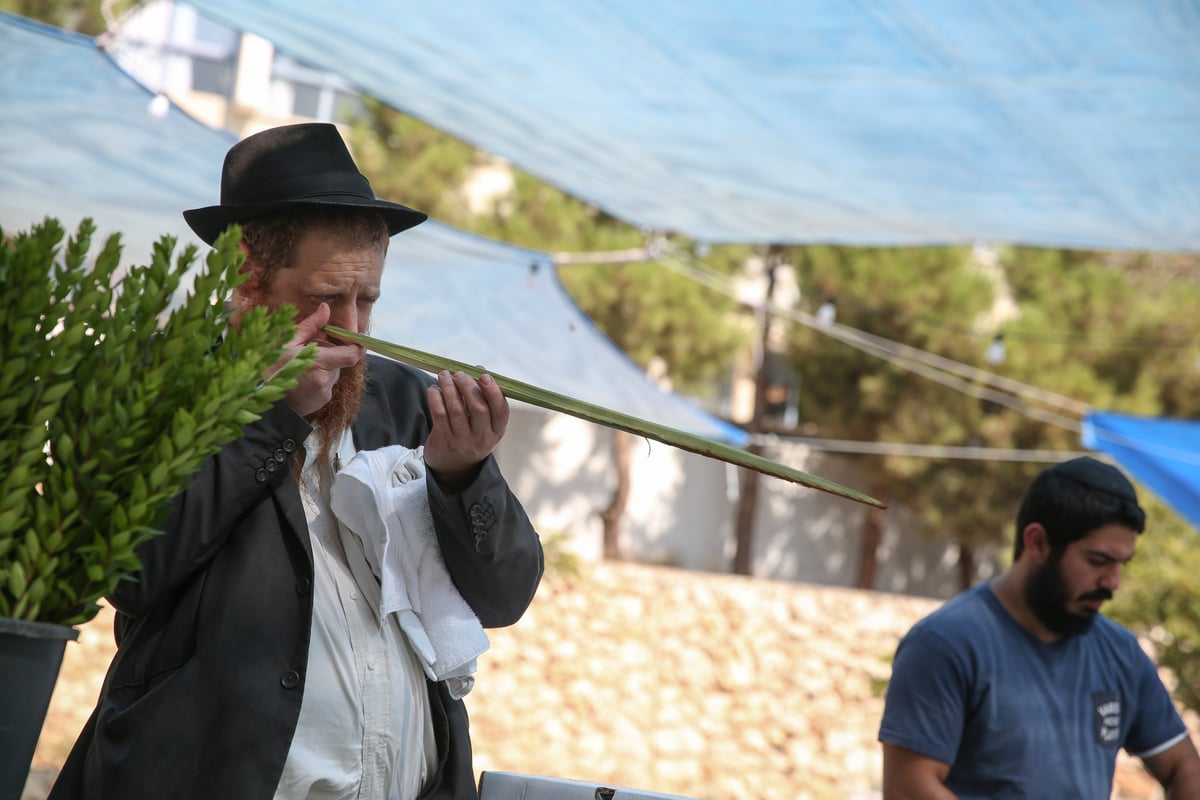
(203, 695)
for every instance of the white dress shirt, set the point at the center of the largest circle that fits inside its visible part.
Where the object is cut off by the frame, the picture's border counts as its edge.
(365, 729)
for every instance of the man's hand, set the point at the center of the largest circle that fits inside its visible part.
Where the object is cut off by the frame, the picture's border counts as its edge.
(315, 387)
(469, 419)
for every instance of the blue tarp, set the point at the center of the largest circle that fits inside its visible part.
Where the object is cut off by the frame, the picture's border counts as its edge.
(1072, 123)
(79, 141)
(1162, 454)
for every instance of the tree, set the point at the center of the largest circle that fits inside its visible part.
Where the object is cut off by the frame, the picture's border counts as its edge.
(1107, 328)
(1091, 326)
(930, 298)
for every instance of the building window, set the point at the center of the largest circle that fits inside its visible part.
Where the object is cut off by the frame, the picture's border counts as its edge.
(303, 91)
(213, 75)
(306, 101)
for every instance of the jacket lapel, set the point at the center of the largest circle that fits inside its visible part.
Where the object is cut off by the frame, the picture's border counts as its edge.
(370, 430)
(287, 497)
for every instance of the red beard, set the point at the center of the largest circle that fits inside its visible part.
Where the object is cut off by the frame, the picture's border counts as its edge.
(335, 417)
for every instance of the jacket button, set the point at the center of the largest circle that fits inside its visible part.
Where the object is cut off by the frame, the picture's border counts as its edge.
(261, 475)
(303, 585)
(269, 465)
(290, 679)
(289, 445)
(279, 455)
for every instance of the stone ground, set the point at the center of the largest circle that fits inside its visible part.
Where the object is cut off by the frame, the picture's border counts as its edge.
(711, 686)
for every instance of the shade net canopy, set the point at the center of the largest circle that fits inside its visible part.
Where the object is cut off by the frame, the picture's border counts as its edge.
(80, 141)
(1163, 454)
(1068, 124)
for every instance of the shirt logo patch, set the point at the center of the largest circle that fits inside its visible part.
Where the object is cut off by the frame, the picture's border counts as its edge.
(1107, 717)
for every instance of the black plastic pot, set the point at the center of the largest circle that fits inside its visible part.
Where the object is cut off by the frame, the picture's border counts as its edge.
(30, 657)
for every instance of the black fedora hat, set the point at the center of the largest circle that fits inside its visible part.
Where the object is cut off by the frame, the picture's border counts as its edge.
(305, 164)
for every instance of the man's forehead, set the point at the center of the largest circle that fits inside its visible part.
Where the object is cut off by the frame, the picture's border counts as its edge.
(1116, 541)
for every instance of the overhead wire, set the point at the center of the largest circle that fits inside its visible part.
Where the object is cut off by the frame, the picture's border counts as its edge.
(962, 452)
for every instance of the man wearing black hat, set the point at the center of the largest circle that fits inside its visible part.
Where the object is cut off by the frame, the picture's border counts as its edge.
(1020, 688)
(253, 661)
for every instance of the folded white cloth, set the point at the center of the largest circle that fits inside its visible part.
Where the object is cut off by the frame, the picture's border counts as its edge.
(380, 497)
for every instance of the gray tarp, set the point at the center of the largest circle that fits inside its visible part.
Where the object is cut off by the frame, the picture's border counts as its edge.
(1071, 123)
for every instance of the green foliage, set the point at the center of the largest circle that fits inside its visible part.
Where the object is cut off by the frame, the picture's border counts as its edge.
(650, 312)
(1158, 597)
(1118, 332)
(406, 159)
(1095, 327)
(929, 298)
(561, 563)
(83, 16)
(879, 681)
(110, 403)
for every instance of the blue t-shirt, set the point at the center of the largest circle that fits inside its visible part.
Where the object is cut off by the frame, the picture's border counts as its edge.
(1016, 717)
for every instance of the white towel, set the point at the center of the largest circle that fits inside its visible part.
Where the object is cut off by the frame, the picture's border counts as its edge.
(380, 496)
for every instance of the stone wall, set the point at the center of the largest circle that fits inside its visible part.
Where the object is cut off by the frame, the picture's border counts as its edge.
(712, 686)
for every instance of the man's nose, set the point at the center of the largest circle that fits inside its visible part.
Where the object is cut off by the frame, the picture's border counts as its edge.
(1111, 579)
(345, 315)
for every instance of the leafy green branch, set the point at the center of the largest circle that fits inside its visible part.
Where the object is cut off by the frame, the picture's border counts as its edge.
(110, 400)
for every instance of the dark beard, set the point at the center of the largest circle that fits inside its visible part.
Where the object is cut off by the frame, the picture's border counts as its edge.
(1047, 596)
(334, 418)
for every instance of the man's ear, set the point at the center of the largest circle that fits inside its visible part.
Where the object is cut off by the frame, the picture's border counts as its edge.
(248, 262)
(249, 292)
(249, 268)
(1037, 541)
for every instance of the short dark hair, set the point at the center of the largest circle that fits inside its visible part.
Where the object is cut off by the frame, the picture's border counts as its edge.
(271, 238)
(1074, 498)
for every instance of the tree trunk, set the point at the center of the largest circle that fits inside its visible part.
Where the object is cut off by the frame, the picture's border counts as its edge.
(747, 504)
(616, 508)
(872, 535)
(966, 566)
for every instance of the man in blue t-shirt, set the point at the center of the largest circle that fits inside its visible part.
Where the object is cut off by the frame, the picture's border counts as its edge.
(1019, 688)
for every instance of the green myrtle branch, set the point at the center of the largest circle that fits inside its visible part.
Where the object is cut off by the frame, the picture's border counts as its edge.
(114, 392)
